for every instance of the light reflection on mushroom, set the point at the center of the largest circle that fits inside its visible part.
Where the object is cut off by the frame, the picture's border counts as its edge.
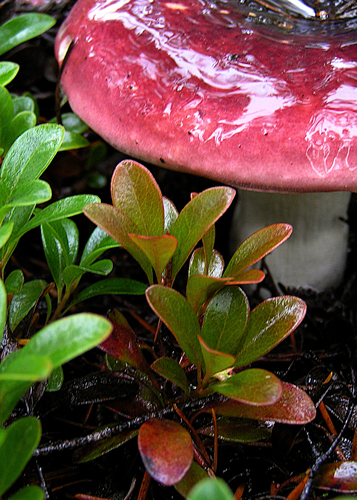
(204, 88)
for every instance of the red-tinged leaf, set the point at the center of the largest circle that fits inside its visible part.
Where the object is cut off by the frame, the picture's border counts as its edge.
(249, 276)
(118, 225)
(215, 361)
(195, 219)
(136, 194)
(198, 263)
(170, 369)
(257, 246)
(269, 324)
(158, 249)
(123, 344)
(252, 387)
(338, 476)
(238, 431)
(94, 450)
(293, 407)
(202, 288)
(166, 450)
(180, 319)
(225, 320)
(194, 475)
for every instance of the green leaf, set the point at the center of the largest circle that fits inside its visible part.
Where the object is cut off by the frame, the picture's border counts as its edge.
(136, 193)
(67, 207)
(253, 387)
(29, 156)
(72, 140)
(225, 320)
(166, 450)
(14, 281)
(116, 286)
(201, 288)
(158, 249)
(31, 193)
(3, 308)
(55, 380)
(23, 103)
(29, 493)
(59, 342)
(171, 370)
(208, 240)
(72, 123)
(194, 475)
(215, 361)
(98, 242)
(23, 301)
(257, 246)
(20, 123)
(72, 273)
(170, 214)
(233, 430)
(6, 115)
(22, 28)
(180, 319)
(32, 368)
(118, 225)
(68, 337)
(198, 264)
(8, 71)
(22, 437)
(94, 450)
(5, 233)
(211, 489)
(195, 219)
(269, 324)
(60, 242)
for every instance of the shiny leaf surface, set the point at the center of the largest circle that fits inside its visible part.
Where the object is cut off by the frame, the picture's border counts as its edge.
(269, 324)
(253, 387)
(180, 319)
(257, 246)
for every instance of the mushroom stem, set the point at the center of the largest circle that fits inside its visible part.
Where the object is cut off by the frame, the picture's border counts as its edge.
(315, 254)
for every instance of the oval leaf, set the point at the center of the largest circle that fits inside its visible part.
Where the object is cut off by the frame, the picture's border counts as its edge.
(269, 324)
(225, 320)
(293, 407)
(170, 369)
(136, 193)
(166, 450)
(257, 246)
(211, 489)
(23, 28)
(21, 439)
(195, 219)
(253, 387)
(180, 319)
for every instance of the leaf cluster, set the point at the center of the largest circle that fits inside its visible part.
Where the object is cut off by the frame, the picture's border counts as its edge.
(218, 335)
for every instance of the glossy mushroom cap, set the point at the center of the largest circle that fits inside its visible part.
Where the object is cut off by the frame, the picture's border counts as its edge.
(196, 86)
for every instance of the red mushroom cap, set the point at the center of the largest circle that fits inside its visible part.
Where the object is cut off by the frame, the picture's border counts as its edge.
(194, 86)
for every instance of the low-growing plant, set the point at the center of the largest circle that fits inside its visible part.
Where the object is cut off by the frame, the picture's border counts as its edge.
(21, 113)
(26, 150)
(215, 336)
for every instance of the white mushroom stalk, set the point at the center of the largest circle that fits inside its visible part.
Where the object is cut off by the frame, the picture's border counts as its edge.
(315, 254)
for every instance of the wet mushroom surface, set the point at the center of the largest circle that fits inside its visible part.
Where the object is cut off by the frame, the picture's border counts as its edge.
(324, 344)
